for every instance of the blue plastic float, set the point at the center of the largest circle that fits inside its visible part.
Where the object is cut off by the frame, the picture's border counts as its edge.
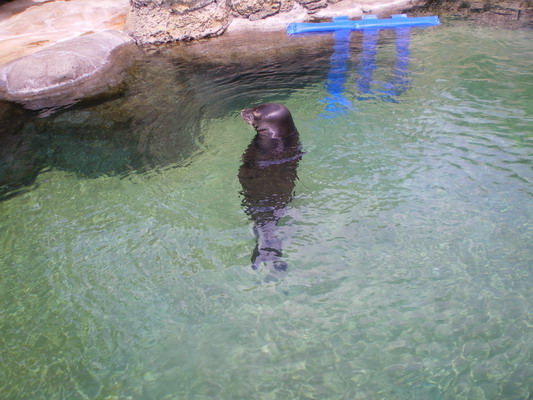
(335, 102)
(367, 22)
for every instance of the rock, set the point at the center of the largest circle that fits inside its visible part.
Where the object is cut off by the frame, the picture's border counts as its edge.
(67, 71)
(259, 9)
(27, 26)
(158, 123)
(158, 21)
(509, 14)
(313, 5)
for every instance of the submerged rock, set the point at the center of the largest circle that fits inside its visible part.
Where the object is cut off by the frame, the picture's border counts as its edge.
(155, 121)
(19, 165)
(65, 72)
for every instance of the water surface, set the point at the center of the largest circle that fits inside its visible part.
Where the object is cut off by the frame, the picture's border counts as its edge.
(125, 250)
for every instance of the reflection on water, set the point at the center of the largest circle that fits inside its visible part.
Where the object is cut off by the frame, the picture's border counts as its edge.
(154, 119)
(400, 78)
(124, 261)
(130, 131)
(336, 102)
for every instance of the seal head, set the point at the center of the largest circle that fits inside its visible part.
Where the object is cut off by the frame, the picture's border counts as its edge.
(270, 120)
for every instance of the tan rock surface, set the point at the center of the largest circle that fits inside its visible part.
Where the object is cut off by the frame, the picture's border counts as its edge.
(27, 26)
(156, 21)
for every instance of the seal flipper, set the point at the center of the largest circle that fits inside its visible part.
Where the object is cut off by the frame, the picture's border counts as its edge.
(268, 248)
(267, 255)
(270, 257)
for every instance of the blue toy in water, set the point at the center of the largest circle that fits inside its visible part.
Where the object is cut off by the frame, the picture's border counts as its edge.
(367, 22)
(335, 102)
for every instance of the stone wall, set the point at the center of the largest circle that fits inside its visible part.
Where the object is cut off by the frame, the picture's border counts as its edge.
(154, 21)
(158, 21)
(510, 14)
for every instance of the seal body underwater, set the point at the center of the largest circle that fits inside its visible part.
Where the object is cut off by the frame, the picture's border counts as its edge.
(267, 175)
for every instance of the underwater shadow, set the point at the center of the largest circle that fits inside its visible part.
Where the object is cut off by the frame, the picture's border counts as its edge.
(155, 118)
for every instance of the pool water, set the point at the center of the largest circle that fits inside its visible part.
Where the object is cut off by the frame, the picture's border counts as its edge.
(125, 251)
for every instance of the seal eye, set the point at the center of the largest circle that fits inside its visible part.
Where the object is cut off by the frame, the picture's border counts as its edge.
(256, 114)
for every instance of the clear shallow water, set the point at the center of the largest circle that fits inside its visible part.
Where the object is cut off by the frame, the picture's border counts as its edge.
(408, 240)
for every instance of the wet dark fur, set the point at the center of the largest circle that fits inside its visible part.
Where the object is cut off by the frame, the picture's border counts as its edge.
(267, 175)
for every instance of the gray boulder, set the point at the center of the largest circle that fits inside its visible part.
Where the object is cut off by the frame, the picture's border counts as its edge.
(67, 71)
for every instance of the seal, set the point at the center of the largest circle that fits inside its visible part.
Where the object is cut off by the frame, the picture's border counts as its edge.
(267, 175)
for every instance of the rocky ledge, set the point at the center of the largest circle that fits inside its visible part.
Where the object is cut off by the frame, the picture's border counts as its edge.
(67, 71)
(158, 21)
(54, 52)
(510, 14)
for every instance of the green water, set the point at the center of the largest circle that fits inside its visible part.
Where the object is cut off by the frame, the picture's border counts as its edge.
(125, 271)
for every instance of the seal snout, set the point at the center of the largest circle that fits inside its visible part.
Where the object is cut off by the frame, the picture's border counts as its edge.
(247, 116)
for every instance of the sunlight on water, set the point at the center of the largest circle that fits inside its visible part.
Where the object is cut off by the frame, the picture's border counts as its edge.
(408, 244)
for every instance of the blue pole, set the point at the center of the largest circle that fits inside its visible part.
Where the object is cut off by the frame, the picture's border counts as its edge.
(396, 21)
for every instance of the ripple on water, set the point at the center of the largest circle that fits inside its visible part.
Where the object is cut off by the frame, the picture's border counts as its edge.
(408, 240)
